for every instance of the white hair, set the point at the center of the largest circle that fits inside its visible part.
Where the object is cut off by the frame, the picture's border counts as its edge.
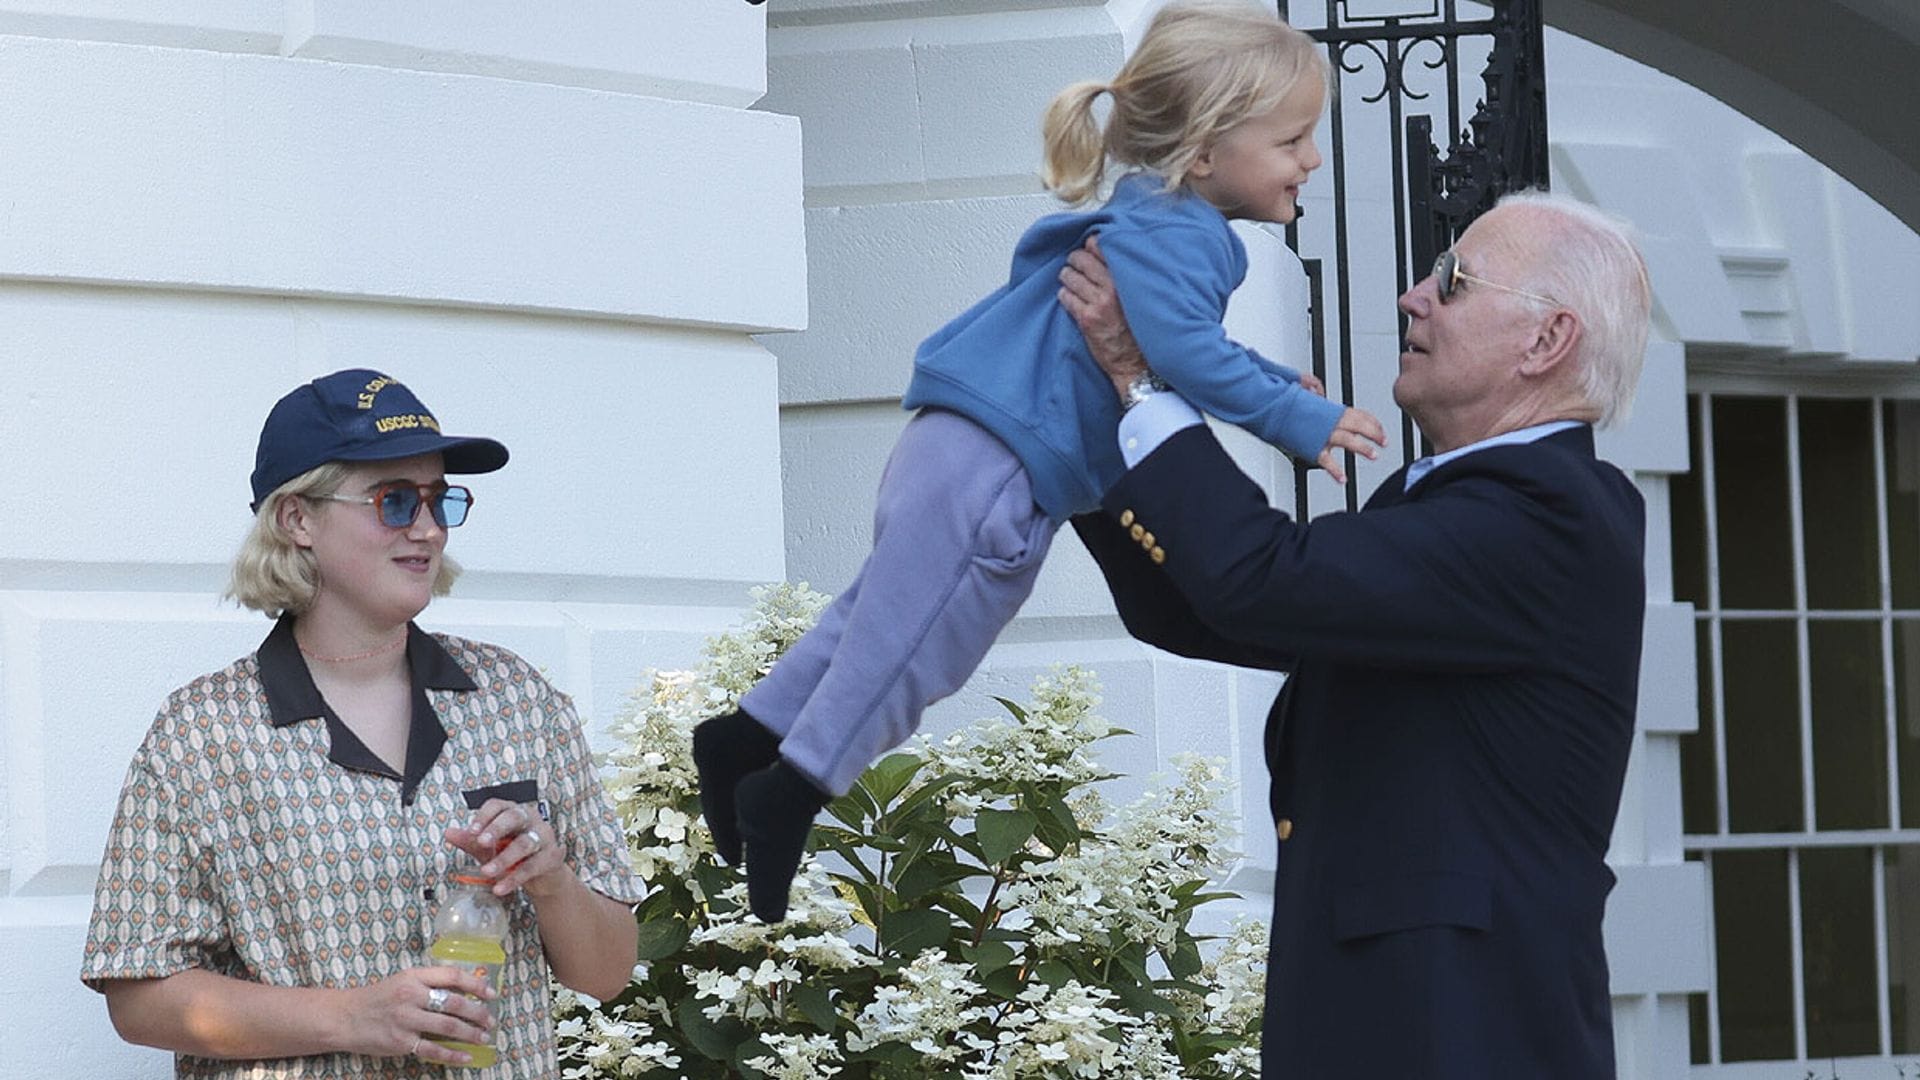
(1594, 267)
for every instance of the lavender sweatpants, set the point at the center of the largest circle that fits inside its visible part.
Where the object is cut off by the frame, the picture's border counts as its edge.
(957, 543)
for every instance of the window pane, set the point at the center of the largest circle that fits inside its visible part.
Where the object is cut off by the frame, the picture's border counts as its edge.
(1750, 484)
(1902, 446)
(1687, 508)
(1836, 925)
(1698, 813)
(1761, 679)
(1752, 938)
(1849, 725)
(1838, 511)
(1903, 946)
(1906, 715)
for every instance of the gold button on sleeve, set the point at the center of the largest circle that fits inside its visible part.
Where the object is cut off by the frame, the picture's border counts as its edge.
(1284, 828)
(1146, 541)
(1137, 531)
(1158, 555)
(1126, 518)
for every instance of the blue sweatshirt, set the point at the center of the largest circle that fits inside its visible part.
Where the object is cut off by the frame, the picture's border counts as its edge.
(1016, 364)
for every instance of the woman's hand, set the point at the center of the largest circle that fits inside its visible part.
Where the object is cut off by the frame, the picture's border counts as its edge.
(401, 1014)
(514, 847)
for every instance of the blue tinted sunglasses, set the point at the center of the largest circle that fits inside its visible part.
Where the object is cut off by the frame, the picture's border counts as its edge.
(399, 503)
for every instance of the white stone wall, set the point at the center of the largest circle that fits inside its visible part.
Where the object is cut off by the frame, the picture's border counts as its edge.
(558, 226)
(922, 147)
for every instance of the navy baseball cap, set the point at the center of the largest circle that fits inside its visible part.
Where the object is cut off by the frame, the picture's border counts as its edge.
(357, 415)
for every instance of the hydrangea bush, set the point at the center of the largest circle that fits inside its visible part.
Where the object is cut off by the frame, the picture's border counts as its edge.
(973, 910)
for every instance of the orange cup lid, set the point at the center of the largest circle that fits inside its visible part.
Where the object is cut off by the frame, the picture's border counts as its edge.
(472, 879)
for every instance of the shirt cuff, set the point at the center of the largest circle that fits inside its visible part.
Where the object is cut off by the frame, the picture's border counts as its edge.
(1145, 426)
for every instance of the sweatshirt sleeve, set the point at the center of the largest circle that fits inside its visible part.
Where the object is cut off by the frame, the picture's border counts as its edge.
(1174, 281)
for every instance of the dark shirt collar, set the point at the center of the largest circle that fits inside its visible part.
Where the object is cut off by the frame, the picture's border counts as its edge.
(292, 697)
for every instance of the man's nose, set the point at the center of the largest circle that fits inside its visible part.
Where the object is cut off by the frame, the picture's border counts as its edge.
(1418, 300)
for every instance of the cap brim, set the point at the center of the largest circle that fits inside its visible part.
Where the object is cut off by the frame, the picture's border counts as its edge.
(459, 453)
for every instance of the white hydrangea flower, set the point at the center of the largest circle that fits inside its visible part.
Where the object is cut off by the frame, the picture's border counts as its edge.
(936, 999)
(797, 1057)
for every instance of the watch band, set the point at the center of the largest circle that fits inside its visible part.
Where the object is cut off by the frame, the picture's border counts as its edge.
(1143, 386)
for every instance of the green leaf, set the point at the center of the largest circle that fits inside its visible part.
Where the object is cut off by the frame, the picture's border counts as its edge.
(1001, 833)
(885, 779)
(1134, 962)
(1013, 707)
(930, 873)
(1185, 961)
(1053, 973)
(1004, 983)
(715, 1040)
(988, 956)
(1139, 998)
(816, 1004)
(905, 934)
(661, 938)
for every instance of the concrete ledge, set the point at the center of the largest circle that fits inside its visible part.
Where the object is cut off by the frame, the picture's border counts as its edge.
(696, 50)
(263, 174)
(242, 26)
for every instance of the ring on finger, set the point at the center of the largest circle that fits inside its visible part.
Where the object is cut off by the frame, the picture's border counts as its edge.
(533, 837)
(437, 1000)
(415, 1048)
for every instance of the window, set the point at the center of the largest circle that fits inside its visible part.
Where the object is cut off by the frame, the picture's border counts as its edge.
(1797, 539)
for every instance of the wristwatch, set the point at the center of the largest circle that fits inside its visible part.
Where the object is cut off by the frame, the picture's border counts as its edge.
(1144, 385)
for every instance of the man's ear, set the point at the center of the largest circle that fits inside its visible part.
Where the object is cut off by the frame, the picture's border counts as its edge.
(1554, 342)
(292, 515)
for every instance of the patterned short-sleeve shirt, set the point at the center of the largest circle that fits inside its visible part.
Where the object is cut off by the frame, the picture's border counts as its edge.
(258, 838)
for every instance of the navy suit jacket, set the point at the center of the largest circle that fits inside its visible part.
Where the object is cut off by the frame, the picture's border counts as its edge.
(1447, 754)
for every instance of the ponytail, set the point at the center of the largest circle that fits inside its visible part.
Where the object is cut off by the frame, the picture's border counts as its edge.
(1076, 148)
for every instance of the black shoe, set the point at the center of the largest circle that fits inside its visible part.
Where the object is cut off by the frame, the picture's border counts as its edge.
(776, 806)
(725, 749)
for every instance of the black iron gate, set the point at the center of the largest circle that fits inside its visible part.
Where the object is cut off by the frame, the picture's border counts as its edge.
(1416, 50)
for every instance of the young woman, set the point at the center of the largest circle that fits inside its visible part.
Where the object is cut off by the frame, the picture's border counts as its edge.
(290, 822)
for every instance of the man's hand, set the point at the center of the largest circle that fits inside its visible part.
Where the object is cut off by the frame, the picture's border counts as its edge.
(1086, 291)
(1353, 432)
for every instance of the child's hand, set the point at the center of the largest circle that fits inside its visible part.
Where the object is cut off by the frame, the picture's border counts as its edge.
(1355, 429)
(1311, 384)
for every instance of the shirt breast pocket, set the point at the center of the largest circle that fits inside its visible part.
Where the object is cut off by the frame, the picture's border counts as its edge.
(513, 791)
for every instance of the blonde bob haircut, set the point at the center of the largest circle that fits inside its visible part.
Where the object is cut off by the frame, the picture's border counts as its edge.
(1202, 69)
(274, 575)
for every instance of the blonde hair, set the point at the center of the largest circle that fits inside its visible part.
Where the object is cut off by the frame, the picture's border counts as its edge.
(274, 575)
(1202, 69)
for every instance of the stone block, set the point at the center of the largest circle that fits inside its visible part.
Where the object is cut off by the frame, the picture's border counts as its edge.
(192, 378)
(887, 276)
(984, 83)
(688, 49)
(263, 174)
(240, 26)
(85, 674)
(56, 1027)
(853, 89)
(1668, 690)
(1653, 437)
(1656, 929)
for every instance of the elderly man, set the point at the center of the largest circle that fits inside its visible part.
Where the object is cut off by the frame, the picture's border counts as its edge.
(1448, 752)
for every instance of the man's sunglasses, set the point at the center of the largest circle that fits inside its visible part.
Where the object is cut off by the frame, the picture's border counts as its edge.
(1448, 276)
(399, 503)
